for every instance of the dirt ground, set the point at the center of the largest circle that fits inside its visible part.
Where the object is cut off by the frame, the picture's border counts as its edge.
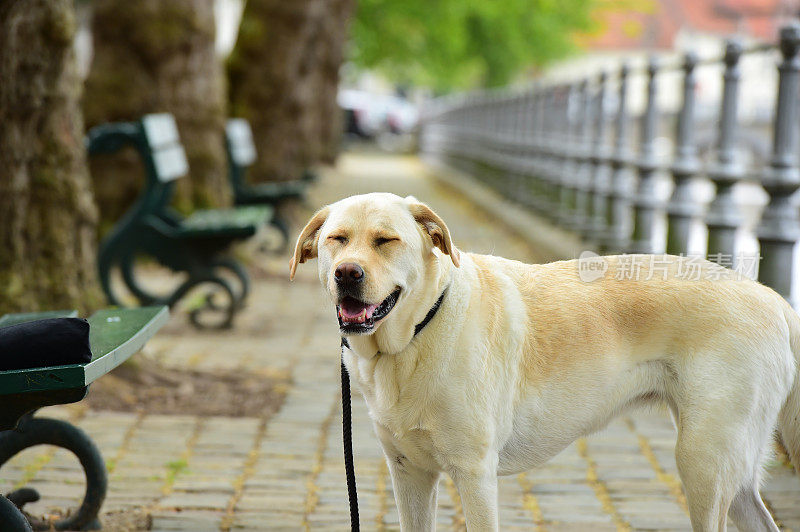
(144, 385)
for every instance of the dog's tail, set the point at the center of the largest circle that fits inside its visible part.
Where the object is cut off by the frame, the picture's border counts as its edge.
(789, 419)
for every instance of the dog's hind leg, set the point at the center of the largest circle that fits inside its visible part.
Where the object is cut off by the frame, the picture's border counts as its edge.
(747, 510)
(717, 453)
(727, 409)
(749, 513)
(708, 474)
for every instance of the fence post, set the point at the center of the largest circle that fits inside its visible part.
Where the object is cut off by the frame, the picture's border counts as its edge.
(559, 154)
(554, 151)
(780, 224)
(542, 148)
(526, 130)
(723, 218)
(495, 116)
(550, 149)
(600, 167)
(645, 201)
(583, 169)
(619, 221)
(682, 209)
(523, 160)
(475, 125)
(566, 199)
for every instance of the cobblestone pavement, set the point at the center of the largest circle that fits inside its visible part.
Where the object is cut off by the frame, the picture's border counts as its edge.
(193, 473)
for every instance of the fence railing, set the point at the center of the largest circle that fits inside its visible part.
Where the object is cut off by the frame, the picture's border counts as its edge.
(558, 150)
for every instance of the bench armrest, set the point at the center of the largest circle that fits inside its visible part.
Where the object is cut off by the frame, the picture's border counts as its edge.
(110, 138)
(160, 226)
(172, 217)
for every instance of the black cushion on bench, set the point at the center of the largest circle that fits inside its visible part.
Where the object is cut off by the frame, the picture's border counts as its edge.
(42, 343)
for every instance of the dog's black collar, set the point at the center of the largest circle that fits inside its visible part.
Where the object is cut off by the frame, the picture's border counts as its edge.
(419, 326)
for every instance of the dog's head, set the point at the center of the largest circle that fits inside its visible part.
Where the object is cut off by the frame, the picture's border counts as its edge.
(375, 251)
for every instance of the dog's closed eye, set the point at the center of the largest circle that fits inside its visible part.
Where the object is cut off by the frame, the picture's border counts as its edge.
(338, 238)
(383, 240)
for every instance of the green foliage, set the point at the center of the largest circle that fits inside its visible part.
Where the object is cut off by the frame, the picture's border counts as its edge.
(460, 43)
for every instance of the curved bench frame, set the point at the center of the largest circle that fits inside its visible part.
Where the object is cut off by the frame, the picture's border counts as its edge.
(32, 431)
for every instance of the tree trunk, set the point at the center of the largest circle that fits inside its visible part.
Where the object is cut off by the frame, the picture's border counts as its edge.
(327, 112)
(283, 76)
(47, 214)
(158, 56)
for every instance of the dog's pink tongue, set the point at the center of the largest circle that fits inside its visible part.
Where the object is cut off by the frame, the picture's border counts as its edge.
(370, 309)
(352, 310)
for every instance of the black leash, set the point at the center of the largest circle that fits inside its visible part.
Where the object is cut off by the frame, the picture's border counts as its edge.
(347, 441)
(347, 422)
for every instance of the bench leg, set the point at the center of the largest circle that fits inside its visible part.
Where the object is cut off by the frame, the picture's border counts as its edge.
(275, 239)
(127, 265)
(33, 431)
(12, 518)
(210, 305)
(241, 275)
(283, 227)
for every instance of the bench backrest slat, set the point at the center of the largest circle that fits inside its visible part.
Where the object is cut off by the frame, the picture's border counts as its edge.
(170, 163)
(240, 142)
(169, 158)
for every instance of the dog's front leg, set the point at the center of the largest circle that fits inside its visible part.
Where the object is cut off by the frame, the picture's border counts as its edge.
(414, 487)
(414, 493)
(478, 491)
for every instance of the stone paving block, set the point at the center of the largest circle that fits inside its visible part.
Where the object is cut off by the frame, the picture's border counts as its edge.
(191, 485)
(586, 526)
(291, 502)
(196, 501)
(267, 521)
(187, 521)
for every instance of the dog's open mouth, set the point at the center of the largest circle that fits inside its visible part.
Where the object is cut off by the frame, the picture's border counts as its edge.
(358, 317)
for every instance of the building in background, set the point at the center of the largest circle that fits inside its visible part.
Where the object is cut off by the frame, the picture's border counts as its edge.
(664, 23)
(669, 28)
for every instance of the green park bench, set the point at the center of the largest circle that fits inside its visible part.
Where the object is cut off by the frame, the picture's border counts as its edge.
(197, 245)
(114, 336)
(241, 155)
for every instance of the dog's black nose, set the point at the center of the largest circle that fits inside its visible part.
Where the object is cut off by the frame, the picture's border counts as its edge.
(348, 274)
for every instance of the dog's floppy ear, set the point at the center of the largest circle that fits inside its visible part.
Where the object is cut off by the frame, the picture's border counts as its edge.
(436, 229)
(306, 247)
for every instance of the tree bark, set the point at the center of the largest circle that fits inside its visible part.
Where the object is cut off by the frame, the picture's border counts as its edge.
(283, 77)
(47, 213)
(334, 32)
(158, 56)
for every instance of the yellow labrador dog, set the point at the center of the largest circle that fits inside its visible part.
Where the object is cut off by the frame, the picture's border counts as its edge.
(516, 361)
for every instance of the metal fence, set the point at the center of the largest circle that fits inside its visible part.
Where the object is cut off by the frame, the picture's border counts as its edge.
(558, 150)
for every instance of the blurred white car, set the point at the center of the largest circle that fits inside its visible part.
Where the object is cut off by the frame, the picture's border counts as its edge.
(402, 116)
(369, 115)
